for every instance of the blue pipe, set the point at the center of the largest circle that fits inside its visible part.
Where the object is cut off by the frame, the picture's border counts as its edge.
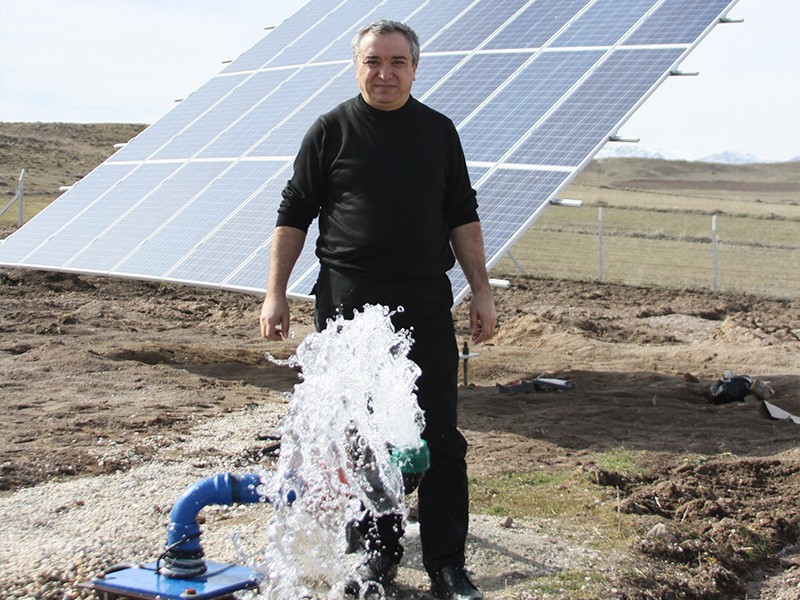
(183, 557)
(183, 532)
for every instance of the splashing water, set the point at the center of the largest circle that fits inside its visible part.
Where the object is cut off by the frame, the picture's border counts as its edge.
(355, 402)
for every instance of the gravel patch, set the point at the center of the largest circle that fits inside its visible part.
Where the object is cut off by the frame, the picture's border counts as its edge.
(59, 534)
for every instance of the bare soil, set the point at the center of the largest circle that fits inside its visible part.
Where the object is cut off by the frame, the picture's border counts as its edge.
(83, 358)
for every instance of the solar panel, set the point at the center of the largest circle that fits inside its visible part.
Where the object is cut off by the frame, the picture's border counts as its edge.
(535, 88)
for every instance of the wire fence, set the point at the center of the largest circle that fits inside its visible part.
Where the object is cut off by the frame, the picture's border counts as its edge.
(754, 254)
(757, 246)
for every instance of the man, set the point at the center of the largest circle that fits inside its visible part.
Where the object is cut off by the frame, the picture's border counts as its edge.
(387, 178)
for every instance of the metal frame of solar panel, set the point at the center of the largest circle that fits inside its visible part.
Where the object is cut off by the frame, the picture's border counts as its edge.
(535, 87)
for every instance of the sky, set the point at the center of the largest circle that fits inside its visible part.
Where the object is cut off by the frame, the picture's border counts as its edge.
(127, 61)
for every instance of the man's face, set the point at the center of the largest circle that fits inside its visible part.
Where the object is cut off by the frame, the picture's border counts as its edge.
(385, 70)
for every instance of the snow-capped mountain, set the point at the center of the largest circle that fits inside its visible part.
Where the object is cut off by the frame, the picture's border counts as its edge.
(628, 151)
(728, 157)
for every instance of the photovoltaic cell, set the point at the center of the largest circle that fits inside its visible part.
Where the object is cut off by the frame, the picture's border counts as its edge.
(397, 10)
(473, 82)
(603, 23)
(337, 29)
(53, 217)
(80, 230)
(476, 172)
(506, 198)
(508, 116)
(256, 268)
(432, 17)
(188, 111)
(261, 118)
(474, 27)
(284, 140)
(568, 135)
(181, 234)
(436, 68)
(535, 87)
(537, 24)
(678, 21)
(217, 256)
(217, 119)
(292, 31)
(136, 229)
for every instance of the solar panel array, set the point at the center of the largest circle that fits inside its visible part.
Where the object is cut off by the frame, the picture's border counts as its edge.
(535, 87)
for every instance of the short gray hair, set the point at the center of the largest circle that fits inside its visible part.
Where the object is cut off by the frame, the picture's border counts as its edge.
(382, 27)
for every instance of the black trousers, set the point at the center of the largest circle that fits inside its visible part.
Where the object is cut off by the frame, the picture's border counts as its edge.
(443, 492)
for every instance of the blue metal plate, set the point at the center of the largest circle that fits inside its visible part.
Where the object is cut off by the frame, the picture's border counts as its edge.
(144, 583)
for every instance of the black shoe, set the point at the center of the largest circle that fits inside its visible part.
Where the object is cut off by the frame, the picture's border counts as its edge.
(366, 590)
(377, 569)
(453, 583)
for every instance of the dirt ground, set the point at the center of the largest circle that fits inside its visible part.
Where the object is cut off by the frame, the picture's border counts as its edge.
(97, 375)
(83, 359)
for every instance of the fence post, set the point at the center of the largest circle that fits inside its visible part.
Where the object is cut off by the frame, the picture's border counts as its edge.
(600, 242)
(20, 197)
(714, 270)
(17, 197)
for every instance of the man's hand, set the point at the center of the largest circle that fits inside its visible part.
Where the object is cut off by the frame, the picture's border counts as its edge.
(482, 316)
(287, 243)
(467, 242)
(274, 319)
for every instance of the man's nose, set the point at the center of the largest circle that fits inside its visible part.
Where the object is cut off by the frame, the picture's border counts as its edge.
(385, 72)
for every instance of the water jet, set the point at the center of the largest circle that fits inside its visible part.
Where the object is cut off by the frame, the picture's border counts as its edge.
(349, 443)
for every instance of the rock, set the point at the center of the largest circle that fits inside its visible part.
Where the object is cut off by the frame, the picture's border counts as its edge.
(659, 531)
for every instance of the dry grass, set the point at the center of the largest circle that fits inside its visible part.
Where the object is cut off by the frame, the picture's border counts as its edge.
(662, 237)
(32, 206)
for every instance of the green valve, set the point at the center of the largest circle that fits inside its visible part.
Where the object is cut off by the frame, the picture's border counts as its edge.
(412, 460)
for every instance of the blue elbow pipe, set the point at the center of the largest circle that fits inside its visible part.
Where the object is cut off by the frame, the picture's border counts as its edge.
(223, 489)
(183, 557)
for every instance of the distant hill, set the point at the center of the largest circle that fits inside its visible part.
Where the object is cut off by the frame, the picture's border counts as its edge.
(55, 154)
(781, 179)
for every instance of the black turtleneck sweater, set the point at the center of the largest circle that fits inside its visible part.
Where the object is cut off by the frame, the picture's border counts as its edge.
(388, 186)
